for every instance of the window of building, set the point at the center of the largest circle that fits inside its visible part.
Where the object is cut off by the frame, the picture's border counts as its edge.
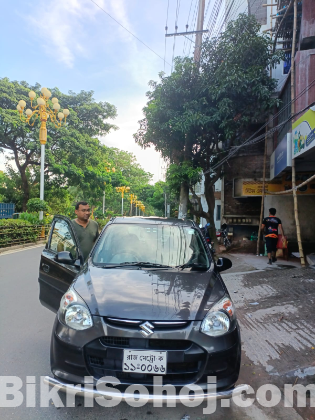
(287, 63)
(218, 212)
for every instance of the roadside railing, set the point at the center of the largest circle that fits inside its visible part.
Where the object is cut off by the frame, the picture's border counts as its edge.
(18, 234)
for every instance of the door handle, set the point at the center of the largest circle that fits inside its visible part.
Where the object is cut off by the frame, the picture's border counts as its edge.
(45, 268)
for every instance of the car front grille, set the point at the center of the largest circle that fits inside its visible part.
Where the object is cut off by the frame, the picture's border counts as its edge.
(185, 360)
(139, 343)
(115, 341)
(158, 325)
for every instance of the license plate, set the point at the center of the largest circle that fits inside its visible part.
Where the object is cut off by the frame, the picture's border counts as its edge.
(139, 361)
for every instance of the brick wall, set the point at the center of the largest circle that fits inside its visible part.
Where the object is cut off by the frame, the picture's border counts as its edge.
(247, 166)
(305, 70)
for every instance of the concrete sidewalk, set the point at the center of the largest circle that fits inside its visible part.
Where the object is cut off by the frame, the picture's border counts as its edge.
(275, 310)
(243, 263)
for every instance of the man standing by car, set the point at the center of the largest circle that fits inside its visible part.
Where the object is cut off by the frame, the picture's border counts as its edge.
(85, 229)
(270, 225)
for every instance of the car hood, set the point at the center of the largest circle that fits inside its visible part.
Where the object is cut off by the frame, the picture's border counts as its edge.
(142, 294)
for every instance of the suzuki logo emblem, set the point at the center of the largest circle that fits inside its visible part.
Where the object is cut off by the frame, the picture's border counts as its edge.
(146, 329)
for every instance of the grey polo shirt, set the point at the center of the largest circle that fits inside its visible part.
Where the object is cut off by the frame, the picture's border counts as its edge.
(86, 236)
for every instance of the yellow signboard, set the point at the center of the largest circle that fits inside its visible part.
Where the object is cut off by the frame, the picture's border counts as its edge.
(254, 188)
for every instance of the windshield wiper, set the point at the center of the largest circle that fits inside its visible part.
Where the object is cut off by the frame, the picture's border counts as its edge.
(193, 265)
(138, 264)
(150, 264)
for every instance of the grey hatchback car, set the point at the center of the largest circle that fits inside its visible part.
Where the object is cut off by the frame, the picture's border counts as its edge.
(149, 301)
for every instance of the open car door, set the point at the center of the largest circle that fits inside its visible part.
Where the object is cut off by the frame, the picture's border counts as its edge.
(61, 261)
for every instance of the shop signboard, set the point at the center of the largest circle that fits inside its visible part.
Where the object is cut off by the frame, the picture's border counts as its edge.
(253, 188)
(304, 133)
(283, 156)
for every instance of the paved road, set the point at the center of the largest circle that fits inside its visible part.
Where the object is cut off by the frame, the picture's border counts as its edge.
(25, 329)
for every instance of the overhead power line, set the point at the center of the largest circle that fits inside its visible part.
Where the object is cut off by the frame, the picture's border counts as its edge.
(214, 16)
(130, 32)
(193, 21)
(231, 14)
(252, 140)
(187, 25)
(166, 23)
(206, 12)
(174, 43)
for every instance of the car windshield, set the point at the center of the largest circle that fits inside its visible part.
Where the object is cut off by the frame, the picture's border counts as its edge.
(168, 245)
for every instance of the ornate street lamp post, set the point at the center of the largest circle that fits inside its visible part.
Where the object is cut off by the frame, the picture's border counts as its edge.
(138, 204)
(122, 190)
(132, 199)
(42, 111)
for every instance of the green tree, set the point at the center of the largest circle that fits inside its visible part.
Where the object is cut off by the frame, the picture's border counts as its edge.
(127, 172)
(73, 154)
(36, 205)
(198, 112)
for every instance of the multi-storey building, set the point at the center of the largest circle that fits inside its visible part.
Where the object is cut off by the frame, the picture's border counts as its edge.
(241, 186)
(242, 183)
(295, 139)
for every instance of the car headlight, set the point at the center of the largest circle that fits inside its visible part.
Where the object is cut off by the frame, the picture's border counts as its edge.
(218, 320)
(74, 312)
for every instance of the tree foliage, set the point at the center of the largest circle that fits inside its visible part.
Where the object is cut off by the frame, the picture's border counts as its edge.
(76, 162)
(73, 154)
(198, 112)
(36, 205)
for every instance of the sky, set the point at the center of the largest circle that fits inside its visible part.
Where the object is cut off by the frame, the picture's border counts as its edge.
(74, 45)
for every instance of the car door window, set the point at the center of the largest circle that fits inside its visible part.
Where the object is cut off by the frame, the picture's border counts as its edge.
(62, 239)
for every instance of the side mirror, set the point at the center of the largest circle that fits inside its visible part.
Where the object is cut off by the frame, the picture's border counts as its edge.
(65, 257)
(223, 264)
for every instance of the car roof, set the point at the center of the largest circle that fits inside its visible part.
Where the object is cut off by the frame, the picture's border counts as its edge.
(152, 220)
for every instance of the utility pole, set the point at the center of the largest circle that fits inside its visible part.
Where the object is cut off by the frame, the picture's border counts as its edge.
(184, 189)
(198, 42)
(165, 213)
(262, 195)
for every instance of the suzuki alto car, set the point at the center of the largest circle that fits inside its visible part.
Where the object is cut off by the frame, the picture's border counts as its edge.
(149, 301)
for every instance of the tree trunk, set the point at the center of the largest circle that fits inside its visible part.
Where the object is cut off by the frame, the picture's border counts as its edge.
(209, 194)
(26, 188)
(183, 201)
(25, 184)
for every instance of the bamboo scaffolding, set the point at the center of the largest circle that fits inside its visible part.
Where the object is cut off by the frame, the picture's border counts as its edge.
(295, 201)
(296, 187)
(262, 194)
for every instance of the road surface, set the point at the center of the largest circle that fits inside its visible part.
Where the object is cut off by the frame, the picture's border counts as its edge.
(25, 329)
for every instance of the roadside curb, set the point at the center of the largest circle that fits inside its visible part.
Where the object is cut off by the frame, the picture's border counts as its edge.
(15, 247)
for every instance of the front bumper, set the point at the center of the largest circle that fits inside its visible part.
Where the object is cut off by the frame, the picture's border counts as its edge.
(75, 355)
(151, 398)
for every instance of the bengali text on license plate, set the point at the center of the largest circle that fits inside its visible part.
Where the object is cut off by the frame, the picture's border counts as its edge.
(153, 362)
